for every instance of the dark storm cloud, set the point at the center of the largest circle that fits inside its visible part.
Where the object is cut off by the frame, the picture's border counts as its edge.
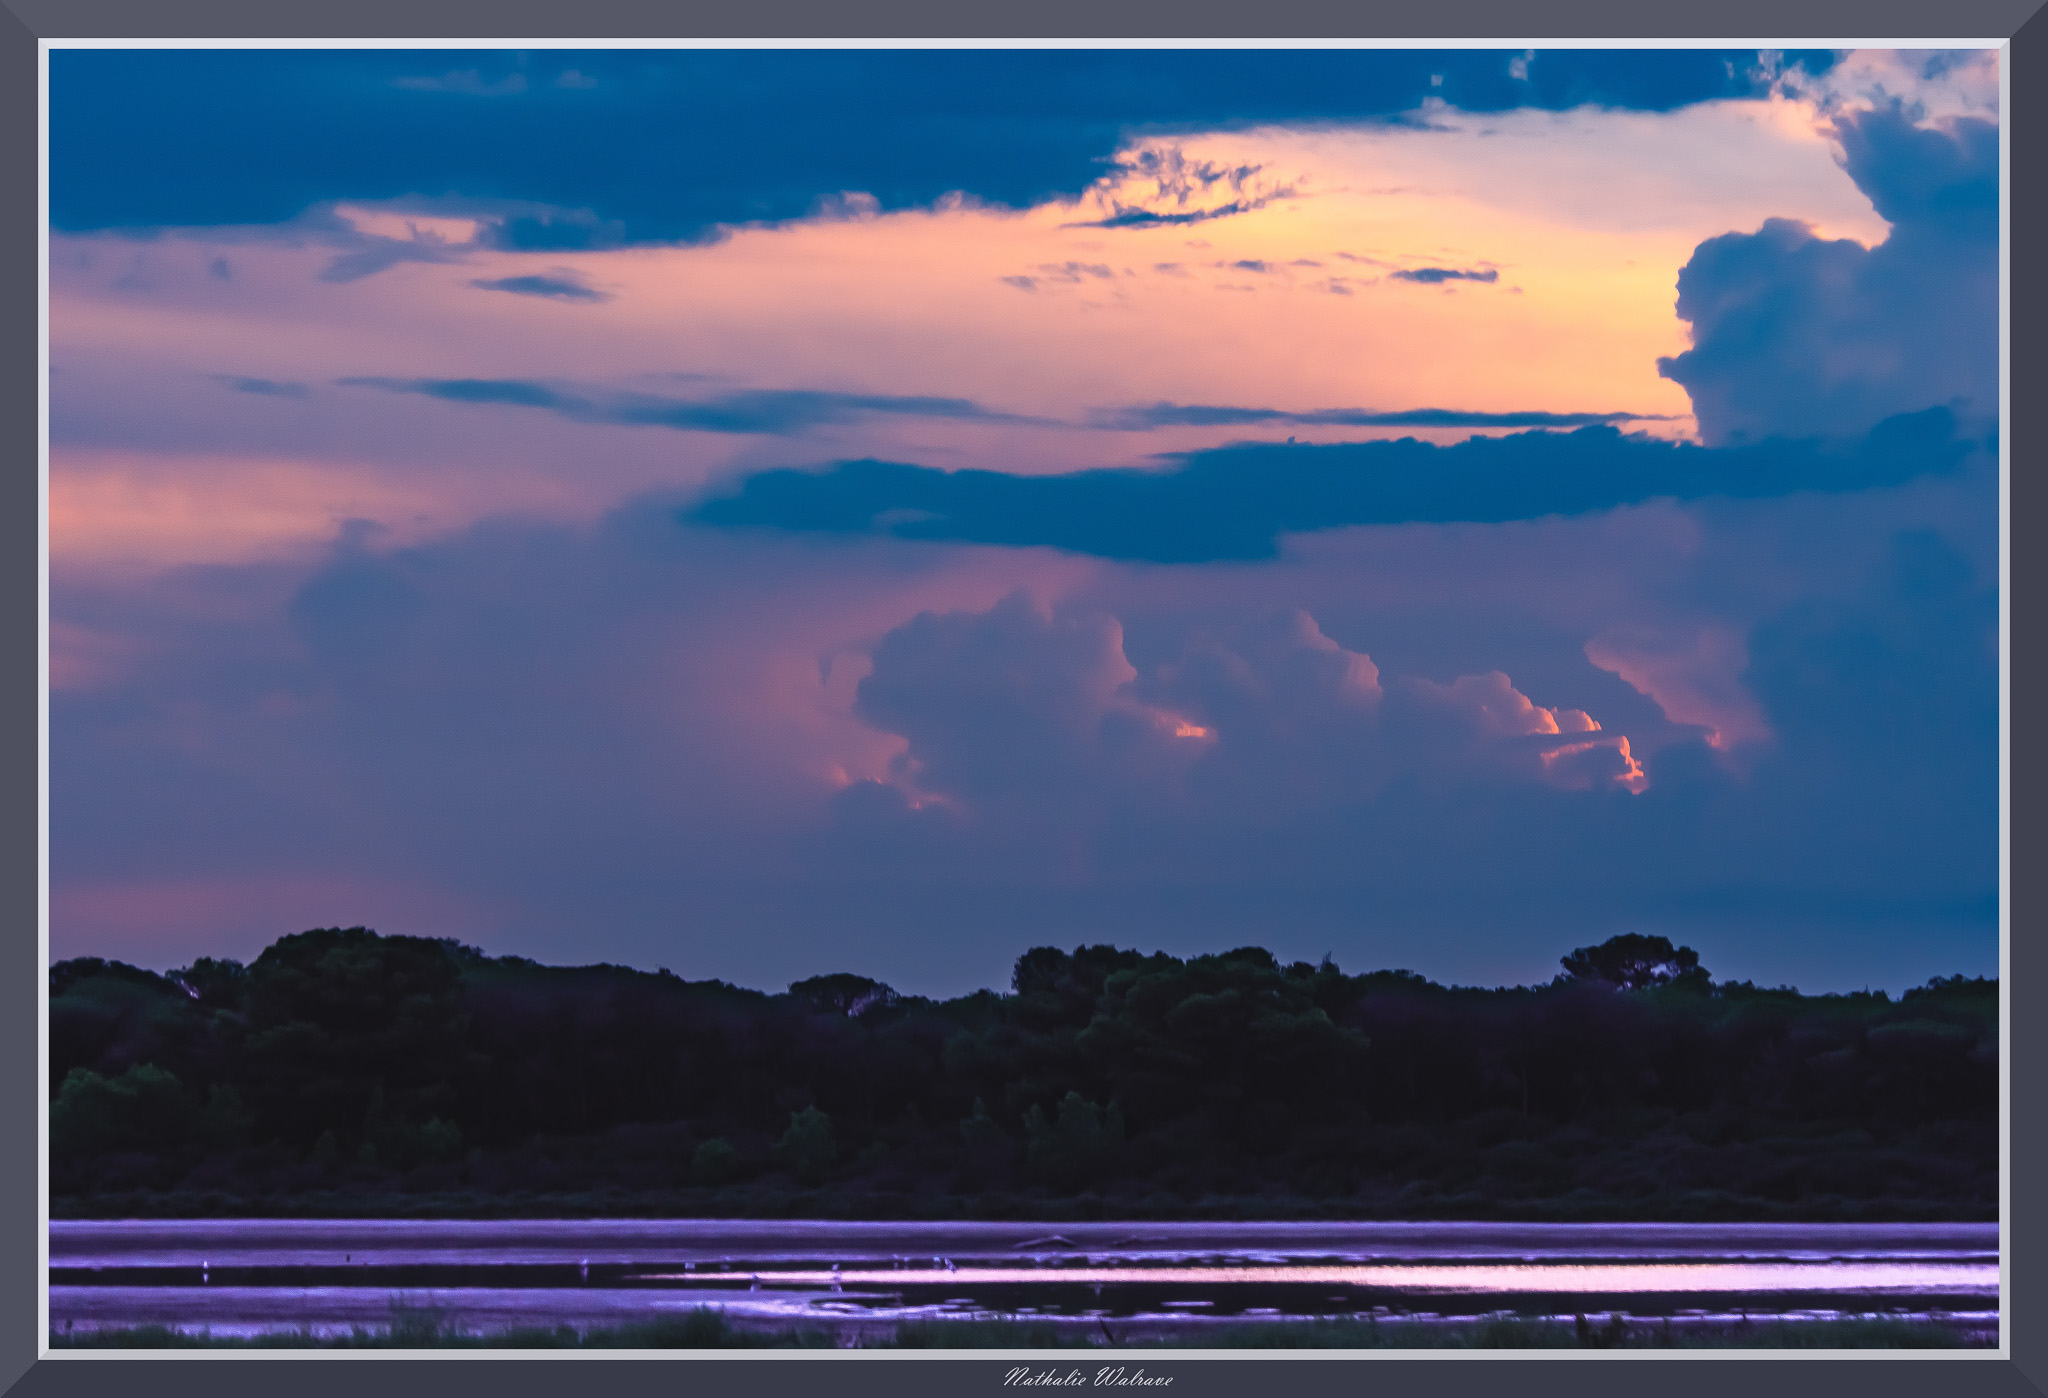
(1437, 276)
(1235, 502)
(640, 146)
(560, 287)
(1144, 419)
(770, 412)
(1799, 335)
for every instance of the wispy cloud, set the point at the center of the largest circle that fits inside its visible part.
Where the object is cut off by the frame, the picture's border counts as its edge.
(556, 286)
(266, 388)
(769, 412)
(1437, 276)
(374, 239)
(1068, 272)
(1146, 418)
(1127, 217)
(1163, 188)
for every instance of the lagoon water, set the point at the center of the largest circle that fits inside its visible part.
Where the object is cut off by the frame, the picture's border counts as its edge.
(240, 1276)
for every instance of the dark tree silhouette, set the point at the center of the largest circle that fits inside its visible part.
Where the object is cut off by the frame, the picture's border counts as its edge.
(1633, 961)
(342, 1071)
(844, 993)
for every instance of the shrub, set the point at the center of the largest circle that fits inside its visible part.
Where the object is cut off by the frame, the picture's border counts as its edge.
(715, 1162)
(807, 1149)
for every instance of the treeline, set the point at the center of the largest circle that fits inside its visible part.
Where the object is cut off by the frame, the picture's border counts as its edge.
(343, 1071)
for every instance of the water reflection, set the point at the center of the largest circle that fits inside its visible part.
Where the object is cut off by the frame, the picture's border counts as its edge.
(1966, 1278)
(241, 1276)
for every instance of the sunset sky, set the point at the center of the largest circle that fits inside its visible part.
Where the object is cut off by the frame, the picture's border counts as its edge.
(769, 513)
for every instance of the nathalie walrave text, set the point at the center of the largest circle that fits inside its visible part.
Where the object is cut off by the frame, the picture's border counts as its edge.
(1023, 1376)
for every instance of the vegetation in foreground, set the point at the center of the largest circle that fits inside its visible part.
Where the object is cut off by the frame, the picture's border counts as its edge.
(344, 1073)
(708, 1329)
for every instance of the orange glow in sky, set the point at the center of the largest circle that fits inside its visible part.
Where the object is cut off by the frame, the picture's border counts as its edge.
(1580, 220)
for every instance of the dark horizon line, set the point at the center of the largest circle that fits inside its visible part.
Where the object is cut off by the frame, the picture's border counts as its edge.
(473, 952)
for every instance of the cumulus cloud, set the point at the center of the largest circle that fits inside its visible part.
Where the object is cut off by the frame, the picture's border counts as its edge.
(1236, 502)
(1498, 710)
(1593, 763)
(1797, 335)
(1281, 711)
(1019, 707)
(1928, 83)
(1695, 677)
(1483, 724)
(1012, 706)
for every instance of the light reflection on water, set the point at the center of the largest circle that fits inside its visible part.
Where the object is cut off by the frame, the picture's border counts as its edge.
(1962, 1278)
(242, 1276)
(290, 1242)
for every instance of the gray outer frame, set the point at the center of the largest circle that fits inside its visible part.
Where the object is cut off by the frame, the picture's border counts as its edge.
(23, 22)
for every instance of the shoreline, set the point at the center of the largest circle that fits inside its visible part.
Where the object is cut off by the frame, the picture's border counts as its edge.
(767, 1207)
(710, 1328)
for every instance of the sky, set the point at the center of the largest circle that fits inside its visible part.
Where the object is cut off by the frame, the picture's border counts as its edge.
(770, 513)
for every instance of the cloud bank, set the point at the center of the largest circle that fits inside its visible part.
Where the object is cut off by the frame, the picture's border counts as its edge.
(162, 139)
(1236, 502)
(1144, 419)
